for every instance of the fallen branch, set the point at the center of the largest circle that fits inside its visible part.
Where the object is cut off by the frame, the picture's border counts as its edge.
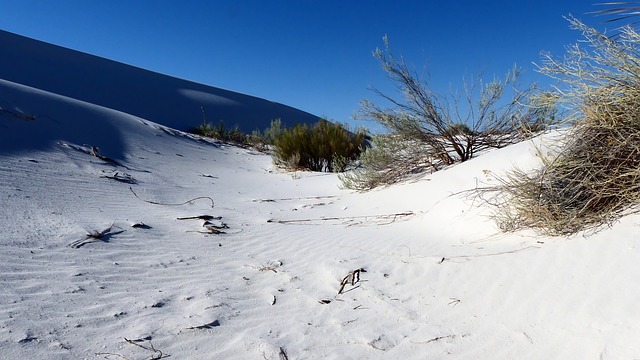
(96, 152)
(283, 354)
(156, 354)
(296, 198)
(200, 217)
(490, 254)
(438, 338)
(352, 278)
(122, 177)
(166, 204)
(93, 151)
(212, 229)
(209, 176)
(388, 218)
(95, 235)
(140, 225)
(211, 325)
(271, 266)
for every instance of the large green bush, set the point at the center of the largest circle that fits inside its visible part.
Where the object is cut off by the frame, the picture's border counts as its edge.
(323, 146)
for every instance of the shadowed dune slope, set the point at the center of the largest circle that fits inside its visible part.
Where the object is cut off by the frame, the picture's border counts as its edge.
(153, 96)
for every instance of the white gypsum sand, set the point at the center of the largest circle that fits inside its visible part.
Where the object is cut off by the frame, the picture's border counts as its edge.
(231, 258)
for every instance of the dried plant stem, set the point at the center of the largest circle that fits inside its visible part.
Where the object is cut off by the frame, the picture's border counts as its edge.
(178, 204)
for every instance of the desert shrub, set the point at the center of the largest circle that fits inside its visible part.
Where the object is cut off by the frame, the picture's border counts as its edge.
(324, 146)
(429, 134)
(206, 129)
(256, 140)
(273, 132)
(235, 135)
(593, 176)
(220, 132)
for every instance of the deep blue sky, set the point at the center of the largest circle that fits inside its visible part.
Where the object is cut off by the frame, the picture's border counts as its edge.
(310, 54)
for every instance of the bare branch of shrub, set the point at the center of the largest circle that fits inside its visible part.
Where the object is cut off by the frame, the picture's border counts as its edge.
(428, 131)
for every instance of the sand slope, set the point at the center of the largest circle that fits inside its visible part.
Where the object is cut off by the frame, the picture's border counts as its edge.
(160, 98)
(426, 273)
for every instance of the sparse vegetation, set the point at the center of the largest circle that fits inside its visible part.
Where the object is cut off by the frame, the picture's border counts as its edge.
(234, 135)
(257, 140)
(593, 177)
(425, 132)
(323, 146)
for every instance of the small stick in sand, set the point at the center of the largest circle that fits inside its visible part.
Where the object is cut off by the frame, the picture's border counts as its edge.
(352, 277)
(283, 354)
(201, 217)
(384, 219)
(179, 204)
(157, 354)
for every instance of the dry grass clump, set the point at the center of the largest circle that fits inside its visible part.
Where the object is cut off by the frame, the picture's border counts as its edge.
(591, 182)
(593, 177)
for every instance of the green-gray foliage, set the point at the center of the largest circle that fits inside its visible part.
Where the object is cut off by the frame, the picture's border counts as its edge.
(324, 146)
(431, 131)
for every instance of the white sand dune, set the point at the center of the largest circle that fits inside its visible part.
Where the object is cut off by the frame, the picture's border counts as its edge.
(433, 278)
(167, 100)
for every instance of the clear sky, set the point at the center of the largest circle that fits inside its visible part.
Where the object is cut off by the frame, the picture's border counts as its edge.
(310, 54)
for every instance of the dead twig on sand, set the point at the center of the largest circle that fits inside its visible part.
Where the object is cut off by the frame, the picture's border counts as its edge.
(211, 227)
(167, 204)
(438, 338)
(94, 236)
(297, 198)
(384, 219)
(211, 325)
(490, 254)
(93, 151)
(155, 353)
(352, 278)
(283, 354)
(209, 176)
(200, 217)
(121, 177)
(271, 266)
